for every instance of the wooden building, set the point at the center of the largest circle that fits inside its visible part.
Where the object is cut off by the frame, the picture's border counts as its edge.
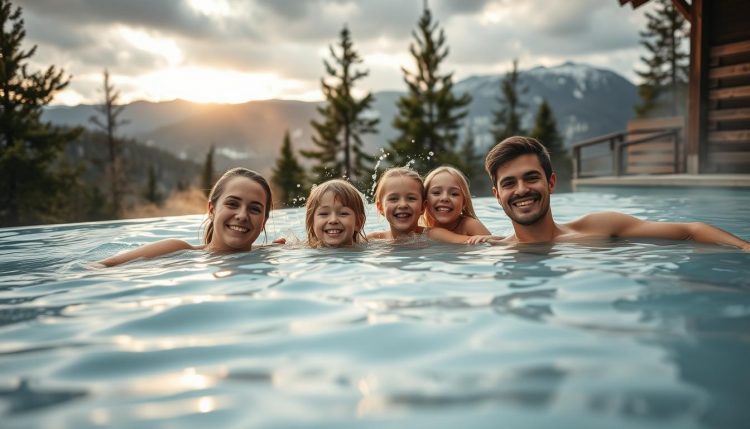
(714, 137)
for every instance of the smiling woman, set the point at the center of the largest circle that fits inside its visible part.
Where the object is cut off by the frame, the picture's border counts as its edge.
(238, 208)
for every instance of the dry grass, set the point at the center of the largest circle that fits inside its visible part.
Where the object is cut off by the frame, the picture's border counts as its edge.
(190, 201)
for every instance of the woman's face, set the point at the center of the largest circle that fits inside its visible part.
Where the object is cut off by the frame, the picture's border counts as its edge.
(239, 215)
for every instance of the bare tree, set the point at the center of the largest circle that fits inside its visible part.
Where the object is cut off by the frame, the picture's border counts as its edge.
(109, 121)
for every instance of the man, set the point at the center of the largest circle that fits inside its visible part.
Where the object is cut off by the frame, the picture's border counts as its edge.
(522, 178)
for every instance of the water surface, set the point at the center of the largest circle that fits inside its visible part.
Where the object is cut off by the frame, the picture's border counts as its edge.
(614, 333)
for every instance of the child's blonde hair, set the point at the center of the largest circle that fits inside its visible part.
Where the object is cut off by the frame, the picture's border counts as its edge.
(397, 172)
(347, 195)
(463, 186)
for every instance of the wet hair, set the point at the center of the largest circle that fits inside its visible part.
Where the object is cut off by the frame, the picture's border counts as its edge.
(463, 186)
(218, 190)
(347, 195)
(510, 149)
(398, 172)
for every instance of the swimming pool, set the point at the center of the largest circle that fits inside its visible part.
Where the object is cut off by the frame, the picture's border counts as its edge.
(616, 334)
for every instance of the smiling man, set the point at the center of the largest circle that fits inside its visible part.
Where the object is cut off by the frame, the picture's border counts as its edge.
(523, 180)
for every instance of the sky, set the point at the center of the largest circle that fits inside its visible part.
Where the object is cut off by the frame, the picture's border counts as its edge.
(233, 51)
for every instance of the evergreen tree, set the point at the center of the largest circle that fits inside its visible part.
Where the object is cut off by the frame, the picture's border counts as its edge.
(429, 115)
(207, 176)
(667, 61)
(288, 175)
(110, 110)
(507, 120)
(32, 183)
(338, 137)
(545, 130)
(152, 192)
(472, 163)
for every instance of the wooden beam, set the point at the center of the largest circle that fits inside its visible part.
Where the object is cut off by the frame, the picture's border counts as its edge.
(731, 49)
(638, 3)
(697, 93)
(737, 70)
(730, 157)
(683, 8)
(730, 93)
(741, 136)
(729, 115)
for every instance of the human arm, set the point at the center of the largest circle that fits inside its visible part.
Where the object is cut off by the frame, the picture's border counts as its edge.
(472, 226)
(152, 250)
(491, 239)
(378, 235)
(445, 236)
(626, 226)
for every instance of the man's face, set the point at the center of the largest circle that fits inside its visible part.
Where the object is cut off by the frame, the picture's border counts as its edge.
(522, 189)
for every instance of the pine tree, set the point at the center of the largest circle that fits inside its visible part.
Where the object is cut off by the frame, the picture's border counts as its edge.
(152, 192)
(110, 110)
(429, 115)
(288, 175)
(545, 130)
(207, 176)
(507, 121)
(666, 63)
(338, 137)
(32, 184)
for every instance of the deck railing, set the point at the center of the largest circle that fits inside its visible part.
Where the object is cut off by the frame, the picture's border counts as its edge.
(633, 152)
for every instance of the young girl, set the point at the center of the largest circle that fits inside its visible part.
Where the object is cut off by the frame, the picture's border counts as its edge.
(399, 197)
(449, 203)
(334, 215)
(238, 208)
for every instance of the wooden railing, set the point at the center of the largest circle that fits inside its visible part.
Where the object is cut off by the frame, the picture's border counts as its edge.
(623, 153)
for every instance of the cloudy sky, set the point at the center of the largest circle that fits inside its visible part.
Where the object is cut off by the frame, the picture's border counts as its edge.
(239, 50)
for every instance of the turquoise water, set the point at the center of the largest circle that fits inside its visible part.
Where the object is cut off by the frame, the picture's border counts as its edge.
(616, 334)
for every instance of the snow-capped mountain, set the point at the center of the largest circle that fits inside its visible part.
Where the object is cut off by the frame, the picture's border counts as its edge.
(585, 100)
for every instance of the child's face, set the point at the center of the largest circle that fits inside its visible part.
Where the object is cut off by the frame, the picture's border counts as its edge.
(445, 201)
(333, 223)
(239, 215)
(401, 204)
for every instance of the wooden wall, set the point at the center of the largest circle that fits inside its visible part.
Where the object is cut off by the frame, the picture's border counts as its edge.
(727, 145)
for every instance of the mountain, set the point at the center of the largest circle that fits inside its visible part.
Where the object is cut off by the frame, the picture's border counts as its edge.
(586, 101)
(143, 116)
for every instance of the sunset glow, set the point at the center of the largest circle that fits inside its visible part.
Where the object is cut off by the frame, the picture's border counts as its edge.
(203, 85)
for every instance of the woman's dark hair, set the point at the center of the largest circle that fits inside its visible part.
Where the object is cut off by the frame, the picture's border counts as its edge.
(218, 190)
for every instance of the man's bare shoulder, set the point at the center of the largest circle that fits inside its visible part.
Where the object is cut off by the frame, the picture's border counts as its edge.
(599, 224)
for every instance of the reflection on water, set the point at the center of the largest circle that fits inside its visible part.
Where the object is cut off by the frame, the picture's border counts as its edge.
(24, 399)
(625, 334)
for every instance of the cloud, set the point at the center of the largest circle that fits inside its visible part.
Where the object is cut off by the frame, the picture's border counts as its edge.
(452, 7)
(290, 38)
(170, 16)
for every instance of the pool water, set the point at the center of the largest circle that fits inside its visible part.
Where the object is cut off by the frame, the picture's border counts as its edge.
(613, 333)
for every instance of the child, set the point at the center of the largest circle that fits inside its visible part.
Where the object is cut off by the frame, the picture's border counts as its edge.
(449, 203)
(399, 197)
(334, 215)
(238, 208)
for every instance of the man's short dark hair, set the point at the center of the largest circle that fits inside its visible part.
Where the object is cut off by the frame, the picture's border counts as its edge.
(510, 149)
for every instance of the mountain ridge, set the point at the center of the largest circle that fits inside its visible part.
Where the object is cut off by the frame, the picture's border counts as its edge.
(587, 101)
